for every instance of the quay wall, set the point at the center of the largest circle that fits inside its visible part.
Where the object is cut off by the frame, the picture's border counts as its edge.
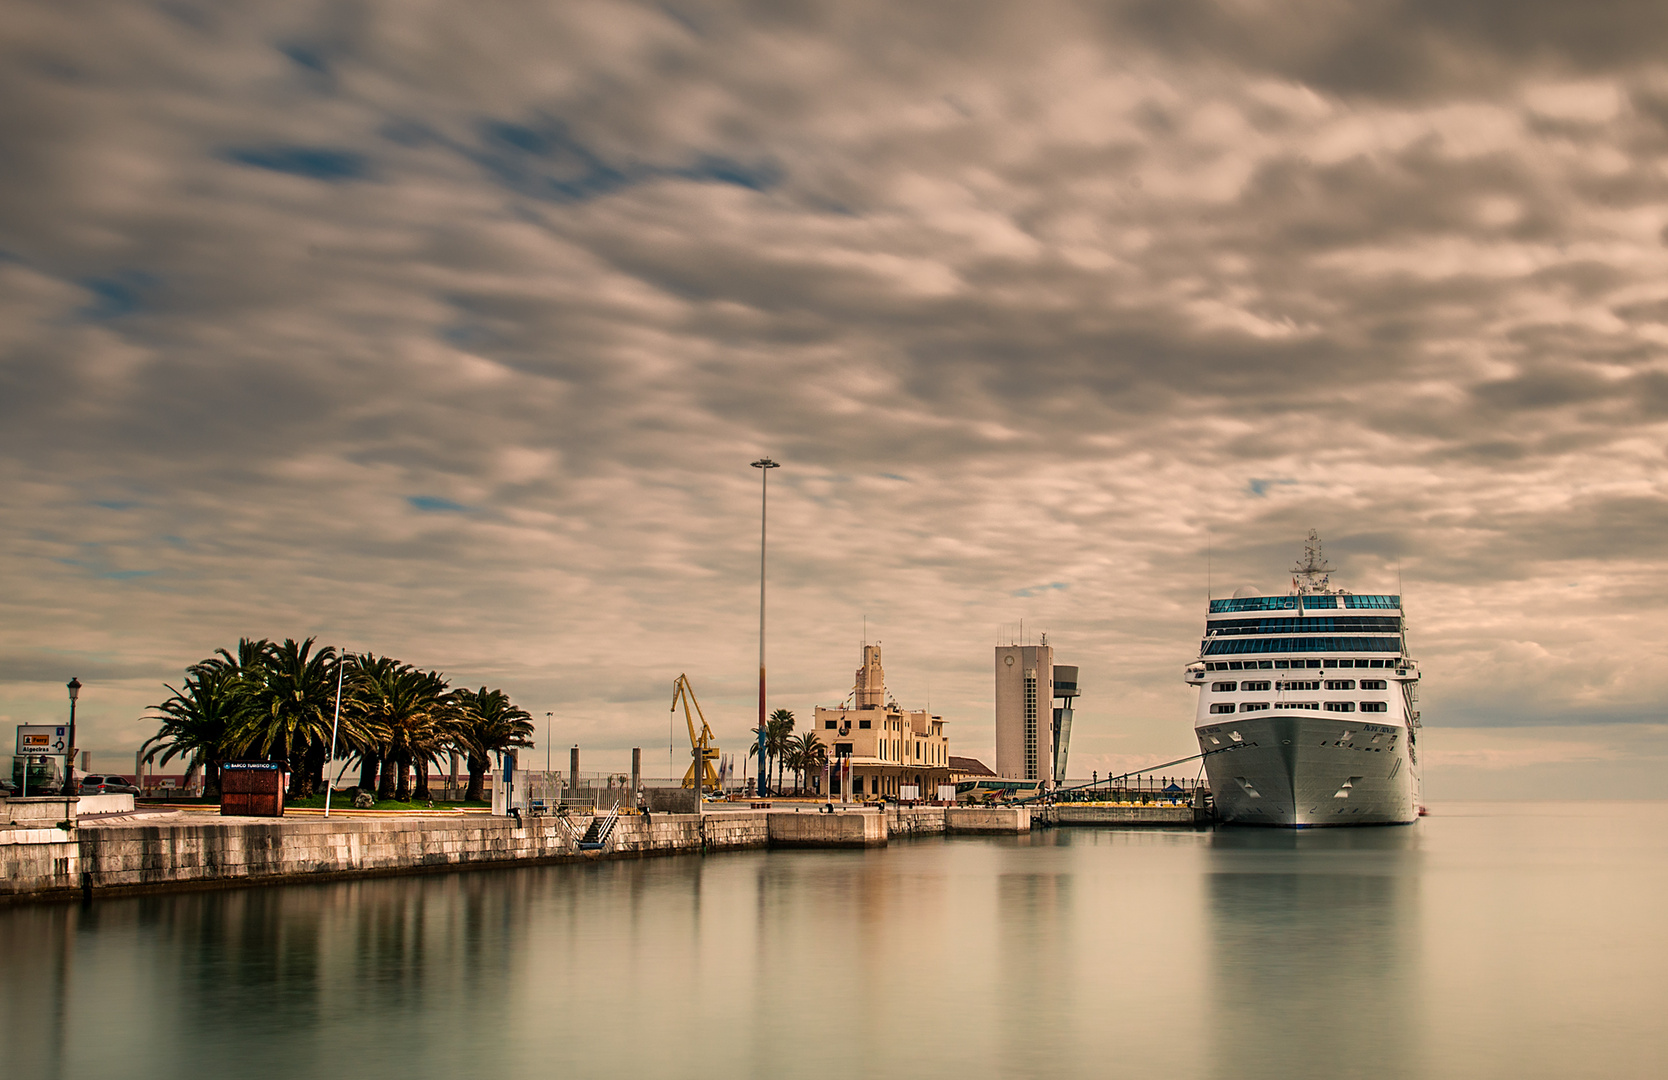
(915, 820)
(987, 819)
(134, 857)
(128, 855)
(1069, 814)
(792, 829)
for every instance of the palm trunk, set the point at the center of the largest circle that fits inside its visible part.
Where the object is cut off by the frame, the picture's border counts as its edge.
(368, 763)
(211, 779)
(403, 792)
(385, 783)
(423, 780)
(312, 770)
(477, 778)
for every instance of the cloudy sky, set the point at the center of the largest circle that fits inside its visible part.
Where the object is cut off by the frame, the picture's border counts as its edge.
(448, 331)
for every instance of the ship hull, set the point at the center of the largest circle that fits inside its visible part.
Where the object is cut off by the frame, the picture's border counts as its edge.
(1303, 771)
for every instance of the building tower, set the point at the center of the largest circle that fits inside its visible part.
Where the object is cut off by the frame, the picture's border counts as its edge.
(1024, 679)
(1065, 692)
(870, 688)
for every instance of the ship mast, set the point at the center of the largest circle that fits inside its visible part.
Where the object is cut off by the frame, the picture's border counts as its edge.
(1312, 574)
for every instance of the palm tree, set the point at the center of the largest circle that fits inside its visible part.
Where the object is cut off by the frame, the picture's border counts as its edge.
(808, 754)
(292, 697)
(403, 717)
(778, 731)
(486, 722)
(196, 722)
(369, 677)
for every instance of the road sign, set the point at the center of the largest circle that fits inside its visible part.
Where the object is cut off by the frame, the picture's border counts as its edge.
(43, 739)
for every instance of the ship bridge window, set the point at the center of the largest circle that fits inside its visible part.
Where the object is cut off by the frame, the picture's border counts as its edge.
(1312, 602)
(1256, 684)
(1391, 602)
(1252, 706)
(1223, 687)
(1373, 684)
(1340, 706)
(1253, 603)
(1374, 706)
(862, 723)
(1341, 684)
(1228, 708)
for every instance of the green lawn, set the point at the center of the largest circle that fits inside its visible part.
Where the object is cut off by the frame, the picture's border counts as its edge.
(341, 801)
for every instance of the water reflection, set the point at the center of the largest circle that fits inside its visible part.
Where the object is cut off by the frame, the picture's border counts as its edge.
(1314, 951)
(1493, 944)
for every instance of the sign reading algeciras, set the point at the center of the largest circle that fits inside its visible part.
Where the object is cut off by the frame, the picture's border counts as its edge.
(43, 739)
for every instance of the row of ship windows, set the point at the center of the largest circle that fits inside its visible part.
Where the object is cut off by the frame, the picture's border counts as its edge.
(1310, 603)
(1330, 706)
(1215, 646)
(1282, 665)
(1310, 684)
(1314, 624)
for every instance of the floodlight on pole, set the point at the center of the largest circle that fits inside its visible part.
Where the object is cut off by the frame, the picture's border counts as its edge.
(764, 465)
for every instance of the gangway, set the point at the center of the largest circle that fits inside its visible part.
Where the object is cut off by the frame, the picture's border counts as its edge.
(602, 827)
(1108, 781)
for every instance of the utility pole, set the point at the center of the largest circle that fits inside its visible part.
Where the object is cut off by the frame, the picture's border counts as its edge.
(764, 465)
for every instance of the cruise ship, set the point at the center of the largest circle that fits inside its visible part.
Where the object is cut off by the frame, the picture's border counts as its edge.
(1306, 705)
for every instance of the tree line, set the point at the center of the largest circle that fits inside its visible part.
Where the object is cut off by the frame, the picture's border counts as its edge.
(803, 755)
(277, 702)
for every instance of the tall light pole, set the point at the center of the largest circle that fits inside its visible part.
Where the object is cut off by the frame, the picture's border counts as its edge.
(336, 722)
(69, 769)
(764, 465)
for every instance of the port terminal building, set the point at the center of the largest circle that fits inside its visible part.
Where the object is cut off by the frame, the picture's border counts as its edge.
(888, 747)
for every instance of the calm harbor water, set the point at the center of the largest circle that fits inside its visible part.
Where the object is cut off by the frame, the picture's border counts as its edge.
(1513, 940)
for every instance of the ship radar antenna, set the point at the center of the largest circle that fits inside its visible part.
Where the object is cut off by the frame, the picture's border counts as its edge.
(1313, 570)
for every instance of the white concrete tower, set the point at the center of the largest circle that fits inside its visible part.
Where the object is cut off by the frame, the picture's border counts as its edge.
(1024, 711)
(870, 689)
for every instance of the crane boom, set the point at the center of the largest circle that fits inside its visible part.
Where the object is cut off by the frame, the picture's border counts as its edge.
(701, 745)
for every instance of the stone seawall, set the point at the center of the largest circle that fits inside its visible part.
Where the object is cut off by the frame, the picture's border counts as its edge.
(792, 829)
(987, 819)
(915, 820)
(1069, 814)
(130, 856)
(146, 853)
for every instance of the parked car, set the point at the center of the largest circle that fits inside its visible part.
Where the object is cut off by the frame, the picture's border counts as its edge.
(7, 788)
(100, 784)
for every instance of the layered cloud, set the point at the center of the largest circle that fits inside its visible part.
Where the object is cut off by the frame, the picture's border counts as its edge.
(450, 333)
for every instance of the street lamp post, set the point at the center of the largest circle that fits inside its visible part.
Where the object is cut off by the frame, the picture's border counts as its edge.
(764, 465)
(69, 769)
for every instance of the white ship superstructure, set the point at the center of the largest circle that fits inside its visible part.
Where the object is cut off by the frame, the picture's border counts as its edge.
(1306, 705)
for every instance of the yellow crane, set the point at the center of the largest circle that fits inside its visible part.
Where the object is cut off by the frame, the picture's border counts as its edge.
(701, 746)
